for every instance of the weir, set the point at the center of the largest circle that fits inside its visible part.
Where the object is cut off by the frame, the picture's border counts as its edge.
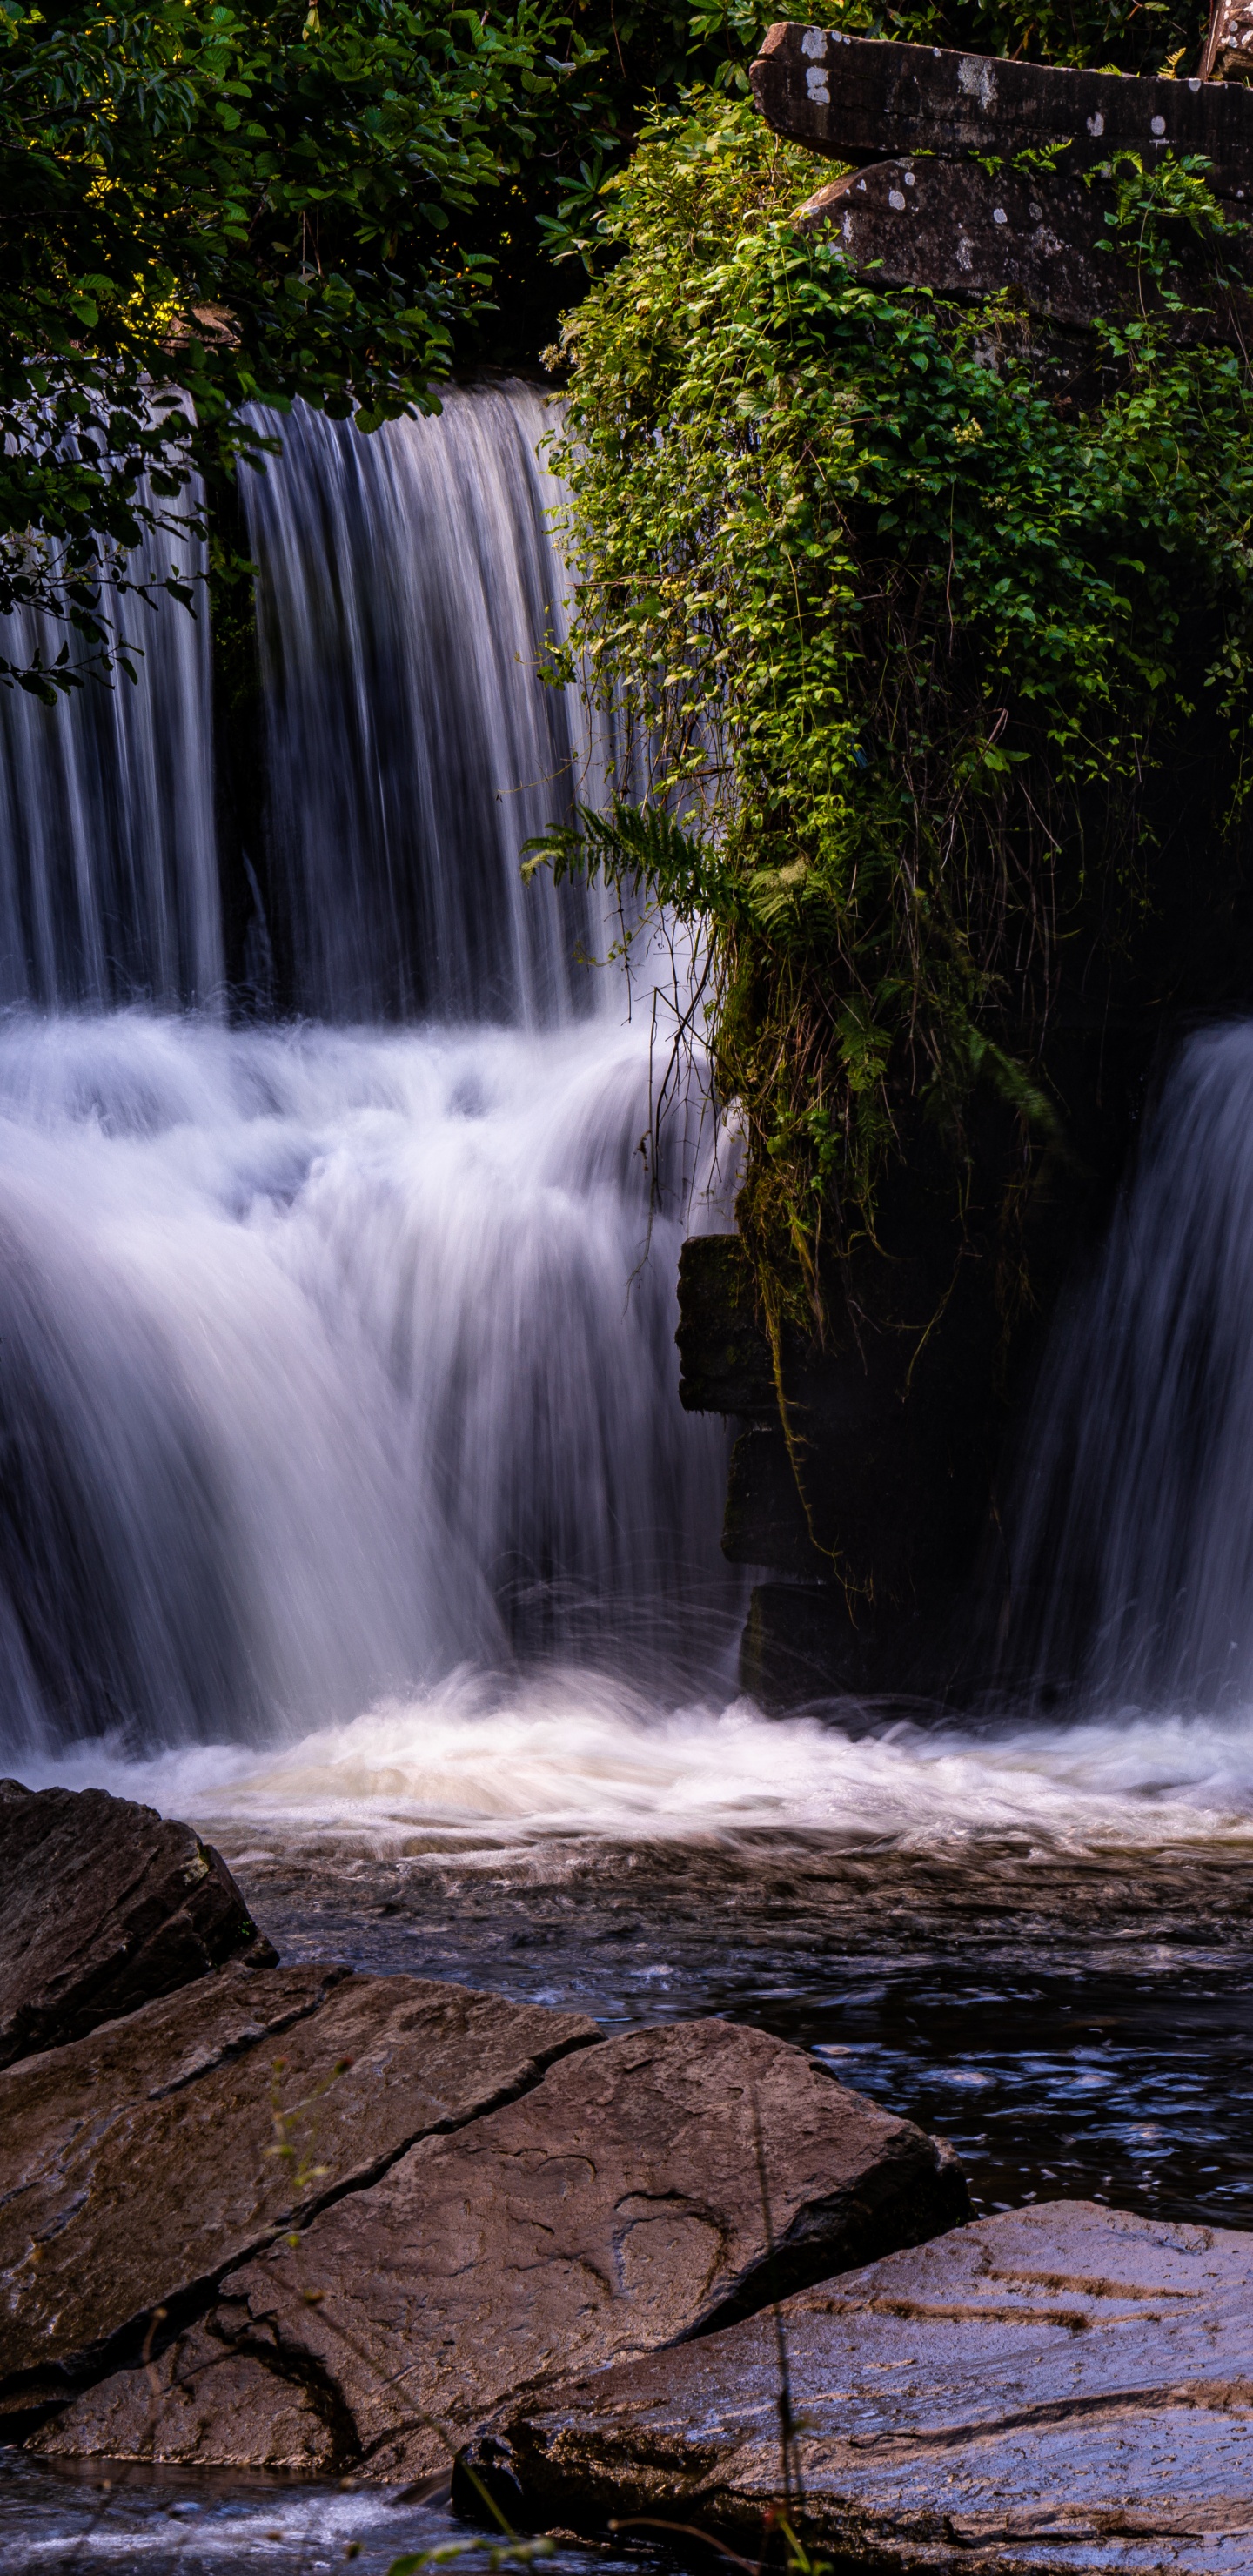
(337, 1304)
(337, 1337)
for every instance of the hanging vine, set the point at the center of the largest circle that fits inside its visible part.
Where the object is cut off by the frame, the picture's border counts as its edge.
(900, 622)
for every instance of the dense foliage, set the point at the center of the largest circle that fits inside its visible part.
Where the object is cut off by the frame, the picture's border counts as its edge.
(216, 203)
(653, 50)
(900, 619)
(210, 204)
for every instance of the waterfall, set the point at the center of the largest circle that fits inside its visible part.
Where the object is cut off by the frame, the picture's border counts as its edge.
(406, 584)
(108, 861)
(336, 1352)
(1132, 1530)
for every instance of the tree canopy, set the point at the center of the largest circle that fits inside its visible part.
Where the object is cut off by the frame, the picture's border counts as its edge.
(210, 206)
(215, 205)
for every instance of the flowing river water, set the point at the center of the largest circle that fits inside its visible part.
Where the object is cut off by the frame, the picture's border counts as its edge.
(348, 1508)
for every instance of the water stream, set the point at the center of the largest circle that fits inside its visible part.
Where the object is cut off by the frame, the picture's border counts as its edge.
(108, 857)
(1133, 1526)
(346, 1503)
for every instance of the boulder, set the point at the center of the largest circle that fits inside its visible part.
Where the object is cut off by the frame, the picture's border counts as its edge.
(619, 2206)
(144, 2161)
(1062, 2388)
(104, 1905)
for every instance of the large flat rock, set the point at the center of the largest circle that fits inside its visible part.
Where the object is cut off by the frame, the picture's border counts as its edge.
(1064, 2388)
(144, 2161)
(615, 2208)
(104, 1905)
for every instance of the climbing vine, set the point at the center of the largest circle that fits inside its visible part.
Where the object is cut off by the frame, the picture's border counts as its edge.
(901, 614)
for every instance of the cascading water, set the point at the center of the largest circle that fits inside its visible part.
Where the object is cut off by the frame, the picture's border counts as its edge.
(347, 1506)
(1132, 1535)
(108, 862)
(407, 583)
(331, 1367)
(330, 1357)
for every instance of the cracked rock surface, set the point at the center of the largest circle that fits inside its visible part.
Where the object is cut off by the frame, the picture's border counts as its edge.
(1066, 2388)
(614, 2208)
(104, 1904)
(145, 2160)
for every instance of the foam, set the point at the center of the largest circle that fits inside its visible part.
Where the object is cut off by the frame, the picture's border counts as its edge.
(485, 1764)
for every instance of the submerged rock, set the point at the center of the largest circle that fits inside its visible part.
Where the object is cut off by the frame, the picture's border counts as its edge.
(144, 2161)
(1065, 2388)
(103, 1906)
(616, 2207)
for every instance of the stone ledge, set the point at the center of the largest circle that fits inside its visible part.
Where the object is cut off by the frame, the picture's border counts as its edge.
(144, 2161)
(860, 98)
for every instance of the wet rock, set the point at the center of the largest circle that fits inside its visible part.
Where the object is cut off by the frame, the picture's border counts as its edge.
(1065, 2388)
(615, 2208)
(725, 1364)
(198, 2403)
(104, 1905)
(142, 2162)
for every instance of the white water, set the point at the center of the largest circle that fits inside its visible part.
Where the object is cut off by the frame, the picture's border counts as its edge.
(1132, 1533)
(482, 1765)
(337, 1356)
(329, 1360)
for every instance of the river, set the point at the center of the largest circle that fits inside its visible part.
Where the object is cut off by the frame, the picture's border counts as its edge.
(349, 1509)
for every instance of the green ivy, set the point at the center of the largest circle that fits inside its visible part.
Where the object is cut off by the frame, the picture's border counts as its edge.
(897, 626)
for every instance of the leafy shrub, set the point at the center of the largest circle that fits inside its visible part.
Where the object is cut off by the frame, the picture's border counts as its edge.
(903, 605)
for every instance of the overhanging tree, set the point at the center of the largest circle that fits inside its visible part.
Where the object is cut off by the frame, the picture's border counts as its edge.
(209, 208)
